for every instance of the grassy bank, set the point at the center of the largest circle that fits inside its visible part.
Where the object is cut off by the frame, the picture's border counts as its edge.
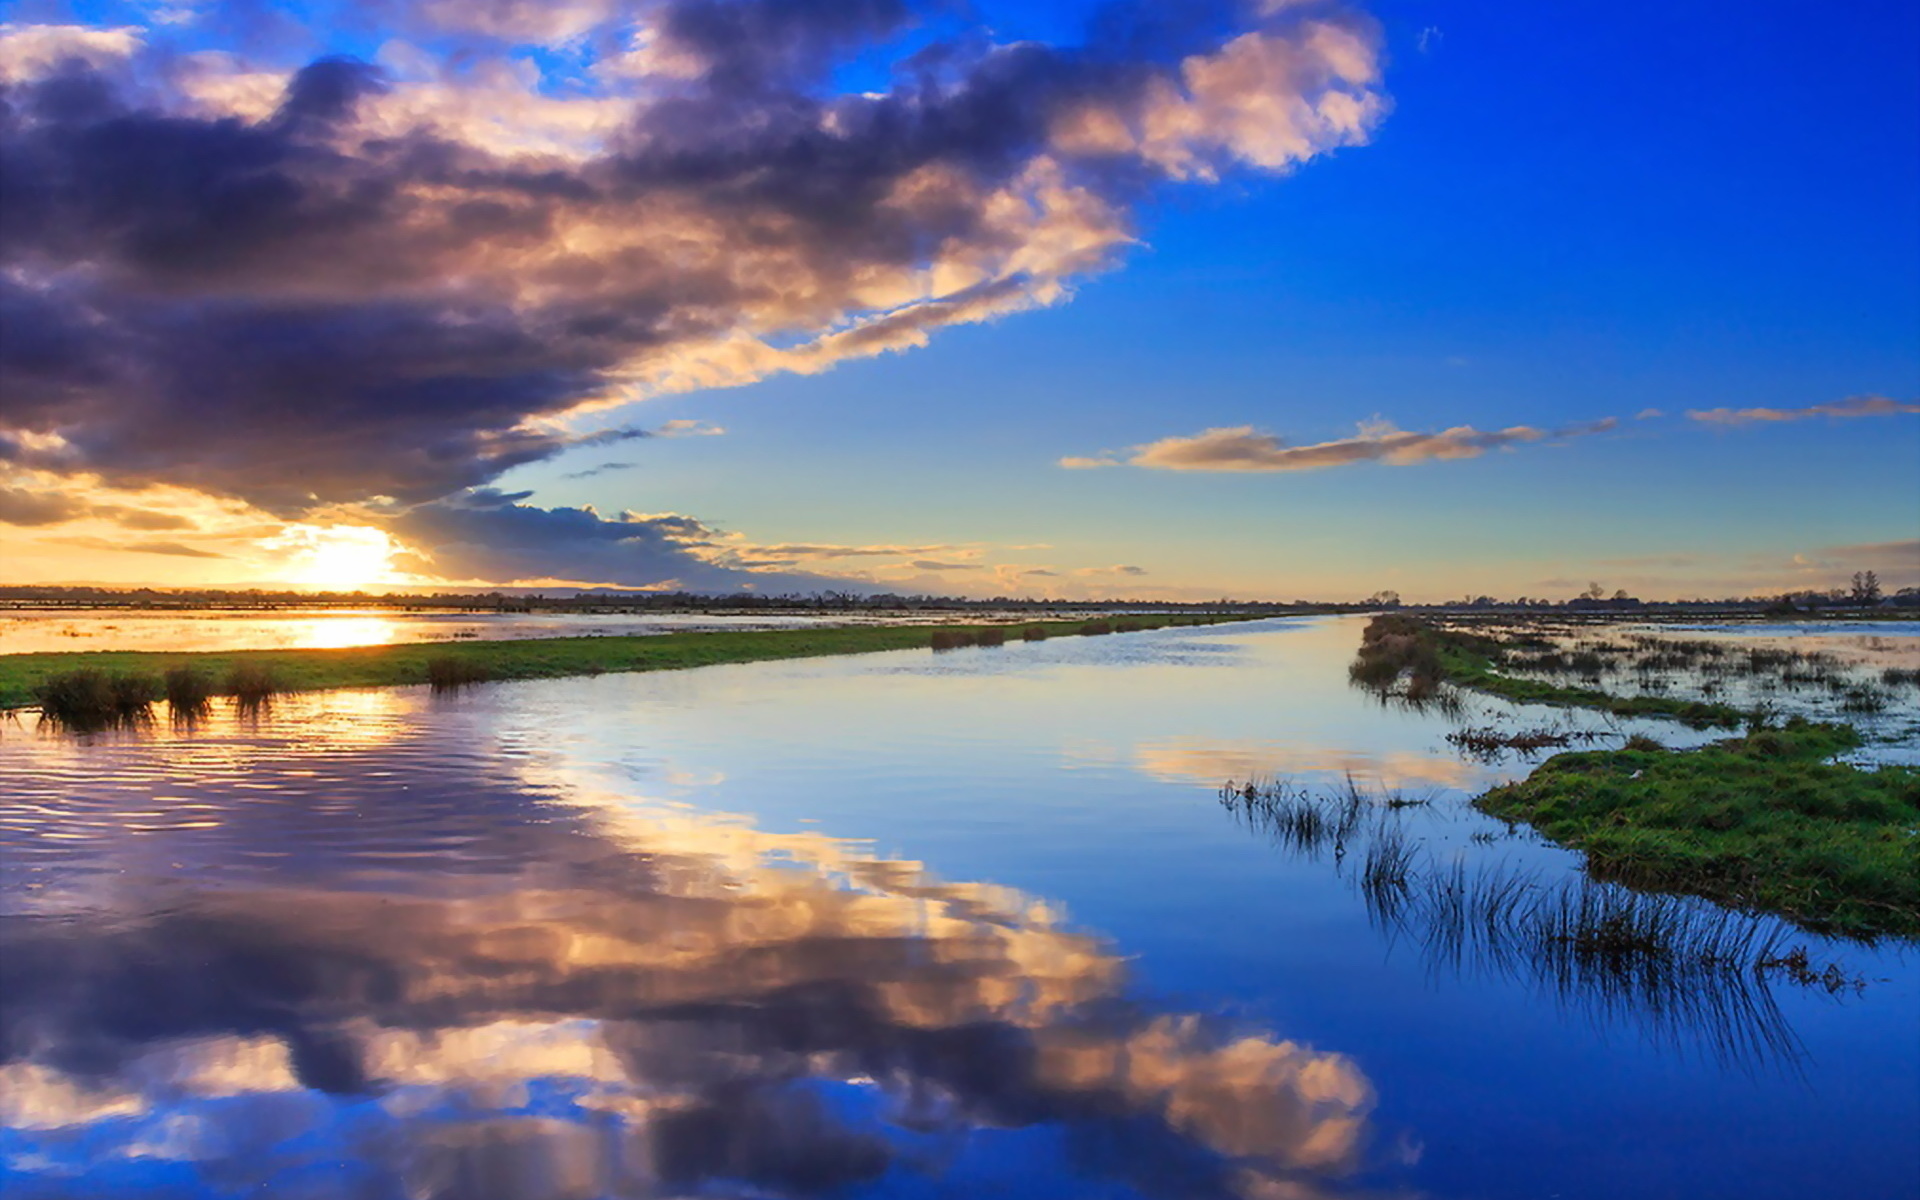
(130, 679)
(1394, 647)
(1763, 821)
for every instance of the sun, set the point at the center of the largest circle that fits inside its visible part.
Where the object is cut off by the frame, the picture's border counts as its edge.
(336, 557)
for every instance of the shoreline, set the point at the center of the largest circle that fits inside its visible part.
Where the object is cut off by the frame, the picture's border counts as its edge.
(505, 660)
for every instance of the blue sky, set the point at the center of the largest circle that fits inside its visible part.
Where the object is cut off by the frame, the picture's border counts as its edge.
(1571, 213)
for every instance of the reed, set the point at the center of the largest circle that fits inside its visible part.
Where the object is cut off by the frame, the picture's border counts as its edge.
(90, 699)
(252, 684)
(447, 672)
(189, 692)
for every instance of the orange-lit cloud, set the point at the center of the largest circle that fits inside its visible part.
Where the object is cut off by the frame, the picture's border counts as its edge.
(1243, 448)
(454, 260)
(1853, 406)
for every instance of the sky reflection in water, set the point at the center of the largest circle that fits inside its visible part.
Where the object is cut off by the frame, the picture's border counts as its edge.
(510, 943)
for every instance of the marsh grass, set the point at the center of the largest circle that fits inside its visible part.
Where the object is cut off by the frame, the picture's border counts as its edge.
(1763, 821)
(189, 692)
(90, 699)
(449, 672)
(253, 685)
(1432, 661)
(1488, 743)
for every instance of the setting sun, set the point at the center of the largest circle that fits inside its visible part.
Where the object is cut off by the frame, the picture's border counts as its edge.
(337, 557)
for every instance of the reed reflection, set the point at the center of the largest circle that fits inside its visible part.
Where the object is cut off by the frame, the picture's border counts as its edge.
(468, 988)
(1681, 972)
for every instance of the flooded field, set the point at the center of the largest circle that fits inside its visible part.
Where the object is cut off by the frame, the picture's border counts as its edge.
(56, 630)
(987, 922)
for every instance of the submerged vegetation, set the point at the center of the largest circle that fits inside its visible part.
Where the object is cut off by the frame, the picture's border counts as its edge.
(1417, 660)
(1762, 821)
(94, 690)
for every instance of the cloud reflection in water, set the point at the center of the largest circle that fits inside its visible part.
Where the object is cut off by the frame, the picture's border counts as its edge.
(586, 999)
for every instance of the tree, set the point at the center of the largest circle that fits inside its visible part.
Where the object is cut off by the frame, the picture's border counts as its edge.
(1866, 587)
(1385, 598)
(1594, 591)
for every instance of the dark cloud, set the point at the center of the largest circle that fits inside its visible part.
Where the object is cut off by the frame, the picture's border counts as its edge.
(491, 535)
(390, 287)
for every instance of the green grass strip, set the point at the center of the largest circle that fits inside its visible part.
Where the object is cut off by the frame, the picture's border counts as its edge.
(21, 675)
(1763, 822)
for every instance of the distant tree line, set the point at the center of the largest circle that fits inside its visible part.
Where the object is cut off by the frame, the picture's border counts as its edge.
(1865, 592)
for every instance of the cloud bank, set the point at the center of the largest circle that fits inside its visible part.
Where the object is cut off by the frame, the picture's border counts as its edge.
(346, 282)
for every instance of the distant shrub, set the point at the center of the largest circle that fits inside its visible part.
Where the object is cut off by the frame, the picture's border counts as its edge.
(1034, 633)
(950, 639)
(991, 636)
(1092, 628)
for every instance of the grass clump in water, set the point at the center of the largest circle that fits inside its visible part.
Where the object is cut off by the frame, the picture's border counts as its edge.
(1762, 821)
(252, 684)
(447, 672)
(189, 691)
(91, 699)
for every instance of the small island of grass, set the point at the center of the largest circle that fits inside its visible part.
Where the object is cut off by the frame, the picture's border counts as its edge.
(1765, 821)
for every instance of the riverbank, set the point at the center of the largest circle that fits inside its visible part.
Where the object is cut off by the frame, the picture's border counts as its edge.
(1765, 822)
(24, 677)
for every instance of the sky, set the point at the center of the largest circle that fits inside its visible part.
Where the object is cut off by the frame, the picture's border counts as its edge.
(1271, 300)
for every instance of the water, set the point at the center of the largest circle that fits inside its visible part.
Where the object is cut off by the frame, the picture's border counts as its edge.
(891, 925)
(44, 631)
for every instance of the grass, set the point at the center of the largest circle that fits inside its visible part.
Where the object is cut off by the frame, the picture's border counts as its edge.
(91, 699)
(189, 691)
(447, 672)
(30, 680)
(1762, 821)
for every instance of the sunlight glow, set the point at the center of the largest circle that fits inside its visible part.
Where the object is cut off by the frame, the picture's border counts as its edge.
(336, 557)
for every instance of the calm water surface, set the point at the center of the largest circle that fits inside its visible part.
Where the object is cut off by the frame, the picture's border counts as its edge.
(906, 925)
